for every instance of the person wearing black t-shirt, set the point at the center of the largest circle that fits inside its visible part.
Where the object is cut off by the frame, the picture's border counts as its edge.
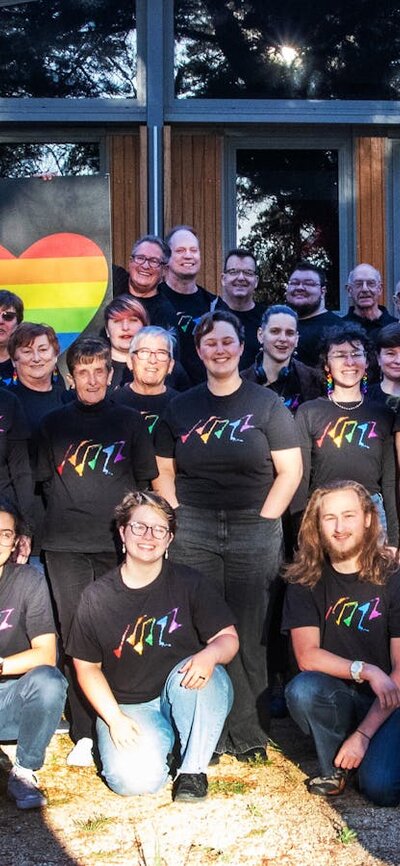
(11, 315)
(123, 318)
(239, 281)
(342, 609)
(188, 300)
(276, 367)
(388, 349)
(343, 435)
(228, 456)
(305, 293)
(151, 359)
(32, 690)
(89, 454)
(34, 350)
(146, 266)
(149, 640)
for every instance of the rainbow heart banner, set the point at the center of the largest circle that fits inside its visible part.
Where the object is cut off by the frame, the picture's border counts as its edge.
(62, 279)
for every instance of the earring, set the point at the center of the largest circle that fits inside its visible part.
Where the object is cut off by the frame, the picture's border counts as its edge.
(364, 384)
(166, 554)
(329, 383)
(123, 547)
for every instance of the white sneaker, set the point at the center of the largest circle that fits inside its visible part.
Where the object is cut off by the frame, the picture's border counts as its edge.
(81, 754)
(23, 788)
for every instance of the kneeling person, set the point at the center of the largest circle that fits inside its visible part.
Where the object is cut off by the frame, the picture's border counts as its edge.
(32, 689)
(149, 640)
(343, 611)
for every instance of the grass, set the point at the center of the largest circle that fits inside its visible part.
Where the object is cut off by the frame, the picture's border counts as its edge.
(229, 787)
(90, 825)
(347, 836)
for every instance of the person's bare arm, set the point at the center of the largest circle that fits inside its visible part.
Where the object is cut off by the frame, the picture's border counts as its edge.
(356, 745)
(42, 652)
(289, 469)
(220, 649)
(123, 730)
(164, 484)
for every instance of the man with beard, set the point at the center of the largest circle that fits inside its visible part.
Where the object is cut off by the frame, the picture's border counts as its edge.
(305, 293)
(364, 286)
(342, 609)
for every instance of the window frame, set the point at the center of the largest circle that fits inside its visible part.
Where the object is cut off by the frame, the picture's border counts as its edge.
(293, 140)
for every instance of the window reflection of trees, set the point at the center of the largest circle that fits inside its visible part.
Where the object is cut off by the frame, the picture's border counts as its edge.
(287, 209)
(287, 49)
(28, 160)
(79, 48)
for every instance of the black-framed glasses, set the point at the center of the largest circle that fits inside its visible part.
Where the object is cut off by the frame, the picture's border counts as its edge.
(151, 260)
(146, 354)
(7, 537)
(140, 529)
(309, 284)
(234, 272)
(8, 315)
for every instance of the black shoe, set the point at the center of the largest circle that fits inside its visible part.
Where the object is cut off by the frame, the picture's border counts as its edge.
(328, 786)
(258, 755)
(214, 760)
(190, 787)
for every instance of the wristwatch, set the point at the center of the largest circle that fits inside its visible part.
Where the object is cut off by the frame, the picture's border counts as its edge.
(1, 666)
(356, 669)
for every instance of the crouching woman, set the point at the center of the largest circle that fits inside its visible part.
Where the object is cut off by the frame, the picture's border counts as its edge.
(149, 640)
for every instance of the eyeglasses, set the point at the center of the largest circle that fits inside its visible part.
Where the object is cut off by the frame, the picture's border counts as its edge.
(309, 284)
(7, 537)
(151, 260)
(141, 529)
(359, 284)
(234, 272)
(342, 356)
(8, 315)
(147, 354)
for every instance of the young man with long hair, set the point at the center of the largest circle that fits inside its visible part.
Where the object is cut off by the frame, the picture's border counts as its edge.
(342, 609)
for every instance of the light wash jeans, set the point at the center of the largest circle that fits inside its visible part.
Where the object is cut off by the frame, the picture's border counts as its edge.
(330, 710)
(194, 716)
(30, 710)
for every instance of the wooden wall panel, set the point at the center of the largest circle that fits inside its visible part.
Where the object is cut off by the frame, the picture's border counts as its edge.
(193, 195)
(371, 204)
(128, 187)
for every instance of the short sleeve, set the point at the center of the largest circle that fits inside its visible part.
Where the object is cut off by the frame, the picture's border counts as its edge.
(299, 609)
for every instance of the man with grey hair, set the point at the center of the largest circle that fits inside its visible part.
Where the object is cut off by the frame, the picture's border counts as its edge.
(364, 286)
(147, 262)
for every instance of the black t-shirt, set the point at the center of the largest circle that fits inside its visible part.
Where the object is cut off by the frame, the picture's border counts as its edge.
(295, 384)
(376, 395)
(139, 635)
(356, 619)
(370, 326)
(251, 321)
(35, 405)
(311, 330)
(16, 481)
(25, 608)
(150, 406)
(6, 372)
(188, 310)
(355, 444)
(222, 445)
(89, 458)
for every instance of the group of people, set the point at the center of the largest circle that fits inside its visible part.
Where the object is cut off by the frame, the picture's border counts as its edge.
(161, 494)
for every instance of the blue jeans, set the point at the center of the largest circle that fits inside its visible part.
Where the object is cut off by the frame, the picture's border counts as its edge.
(330, 710)
(241, 553)
(30, 710)
(195, 716)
